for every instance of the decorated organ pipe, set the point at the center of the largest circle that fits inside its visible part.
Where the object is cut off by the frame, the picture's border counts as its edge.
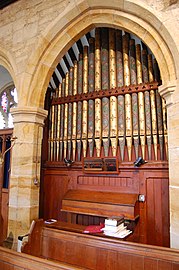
(113, 99)
(109, 98)
(97, 88)
(128, 107)
(80, 107)
(160, 123)
(140, 101)
(120, 98)
(105, 85)
(58, 122)
(74, 117)
(85, 102)
(135, 117)
(91, 104)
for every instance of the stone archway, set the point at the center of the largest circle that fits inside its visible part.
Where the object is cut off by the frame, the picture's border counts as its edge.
(78, 20)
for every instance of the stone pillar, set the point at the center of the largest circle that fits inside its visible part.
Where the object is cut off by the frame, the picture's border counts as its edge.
(25, 170)
(169, 92)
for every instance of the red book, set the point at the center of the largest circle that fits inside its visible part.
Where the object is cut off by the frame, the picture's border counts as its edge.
(94, 228)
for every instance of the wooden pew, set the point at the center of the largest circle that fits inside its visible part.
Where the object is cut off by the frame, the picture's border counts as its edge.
(12, 260)
(68, 245)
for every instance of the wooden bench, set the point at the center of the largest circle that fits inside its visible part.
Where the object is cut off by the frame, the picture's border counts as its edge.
(12, 260)
(69, 245)
(97, 203)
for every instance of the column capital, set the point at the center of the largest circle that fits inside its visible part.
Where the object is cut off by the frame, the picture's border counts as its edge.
(167, 90)
(29, 115)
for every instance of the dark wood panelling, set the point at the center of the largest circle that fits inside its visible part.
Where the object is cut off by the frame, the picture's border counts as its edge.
(157, 211)
(151, 180)
(126, 184)
(56, 186)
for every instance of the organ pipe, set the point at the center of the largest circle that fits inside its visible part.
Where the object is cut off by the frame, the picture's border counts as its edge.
(133, 118)
(127, 96)
(105, 78)
(97, 87)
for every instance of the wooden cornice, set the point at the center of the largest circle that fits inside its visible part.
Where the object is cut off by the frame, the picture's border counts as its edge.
(107, 93)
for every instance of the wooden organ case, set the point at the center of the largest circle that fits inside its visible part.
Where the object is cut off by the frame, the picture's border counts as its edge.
(108, 107)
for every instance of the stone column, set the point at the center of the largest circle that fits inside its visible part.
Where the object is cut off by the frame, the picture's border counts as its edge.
(25, 170)
(169, 92)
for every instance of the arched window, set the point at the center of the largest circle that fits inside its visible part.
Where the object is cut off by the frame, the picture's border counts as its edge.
(8, 100)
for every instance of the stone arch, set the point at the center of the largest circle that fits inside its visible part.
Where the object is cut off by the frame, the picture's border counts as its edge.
(80, 18)
(7, 61)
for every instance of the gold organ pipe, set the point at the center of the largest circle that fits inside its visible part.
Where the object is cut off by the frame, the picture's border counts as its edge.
(128, 106)
(58, 124)
(66, 84)
(113, 124)
(138, 62)
(112, 59)
(75, 80)
(52, 134)
(74, 118)
(142, 122)
(128, 110)
(97, 87)
(65, 129)
(97, 118)
(58, 132)
(97, 60)
(150, 68)
(74, 123)
(85, 103)
(63, 87)
(70, 88)
(126, 60)
(140, 100)
(60, 90)
(70, 114)
(113, 99)
(91, 103)
(160, 123)
(98, 126)
(154, 121)
(85, 69)
(49, 135)
(119, 59)
(80, 74)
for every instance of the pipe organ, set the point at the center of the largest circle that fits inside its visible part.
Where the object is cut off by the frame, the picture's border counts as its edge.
(108, 103)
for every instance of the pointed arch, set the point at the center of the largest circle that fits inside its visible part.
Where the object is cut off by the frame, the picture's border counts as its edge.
(82, 17)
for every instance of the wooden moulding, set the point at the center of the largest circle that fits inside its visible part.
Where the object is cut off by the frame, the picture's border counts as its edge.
(106, 93)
